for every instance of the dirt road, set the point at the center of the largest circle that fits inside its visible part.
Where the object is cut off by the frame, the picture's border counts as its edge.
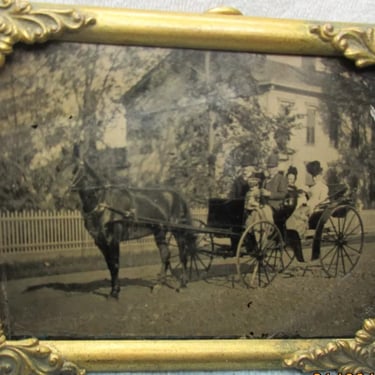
(299, 303)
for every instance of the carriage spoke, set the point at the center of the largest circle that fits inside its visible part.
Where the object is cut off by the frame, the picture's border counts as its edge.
(328, 252)
(347, 230)
(193, 264)
(358, 251)
(338, 225)
(337, 260)
(201, 262)
(334, 227)
(287, 256)
(198, 252)
(353, 230)
(266, 273)
(328, 240)
(348, 256)
(267, 261)
(342, 259)
(349, 224)
(247, 272)
(334, 257)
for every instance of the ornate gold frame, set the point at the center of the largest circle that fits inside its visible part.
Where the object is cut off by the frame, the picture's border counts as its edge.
(224, 29)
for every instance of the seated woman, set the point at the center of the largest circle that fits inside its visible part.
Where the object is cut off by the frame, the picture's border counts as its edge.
(292, 194)
(308, 200)
(318, 193)
(256, 206)
(256, 209)
(290, 201)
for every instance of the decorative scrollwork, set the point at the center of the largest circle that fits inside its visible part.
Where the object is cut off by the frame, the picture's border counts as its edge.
(347, 356)
(28, 357)
(20, 22)
(356, 44)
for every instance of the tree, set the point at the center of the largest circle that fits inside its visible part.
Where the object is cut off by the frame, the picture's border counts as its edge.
(350, 124)
(195, 118)
(184, 119)
(54, 97)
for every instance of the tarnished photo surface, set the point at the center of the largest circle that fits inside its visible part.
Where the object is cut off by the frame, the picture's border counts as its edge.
(169, 193)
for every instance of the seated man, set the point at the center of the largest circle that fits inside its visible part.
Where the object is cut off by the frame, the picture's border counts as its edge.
(277, 183)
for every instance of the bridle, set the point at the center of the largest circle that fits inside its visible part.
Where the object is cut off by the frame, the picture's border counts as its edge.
(82, 170)
(78, 177)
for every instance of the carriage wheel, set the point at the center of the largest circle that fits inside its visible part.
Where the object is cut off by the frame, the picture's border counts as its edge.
(287, 257)
(175, 263)
(341, 240)
(260, 254)
(199, 259)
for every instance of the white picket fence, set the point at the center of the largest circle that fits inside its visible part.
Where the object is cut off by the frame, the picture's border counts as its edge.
(53, 232)
(42, 231)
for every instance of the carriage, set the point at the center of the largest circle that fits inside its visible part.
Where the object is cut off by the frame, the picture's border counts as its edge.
(261, 250)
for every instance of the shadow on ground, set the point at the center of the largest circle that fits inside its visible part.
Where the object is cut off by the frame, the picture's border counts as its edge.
(89, 287)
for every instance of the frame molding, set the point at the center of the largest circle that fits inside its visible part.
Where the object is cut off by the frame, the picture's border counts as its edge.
(221, 29)
(76, 357)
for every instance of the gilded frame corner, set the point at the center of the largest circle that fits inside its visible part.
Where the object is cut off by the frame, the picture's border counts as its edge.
(219, 29)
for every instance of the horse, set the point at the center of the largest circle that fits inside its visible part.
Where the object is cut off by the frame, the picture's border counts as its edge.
(119, 213)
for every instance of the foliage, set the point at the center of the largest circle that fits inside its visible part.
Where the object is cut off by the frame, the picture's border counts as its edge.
(350, 124)
(55, 97)
(183, 119)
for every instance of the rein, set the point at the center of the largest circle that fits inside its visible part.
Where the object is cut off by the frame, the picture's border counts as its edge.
(96, 187)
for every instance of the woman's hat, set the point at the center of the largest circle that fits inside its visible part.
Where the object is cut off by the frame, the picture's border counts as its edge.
(314, 168)
(292, 170)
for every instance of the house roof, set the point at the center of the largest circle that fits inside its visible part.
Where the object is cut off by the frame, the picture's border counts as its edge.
(192, 79)
(288, 77)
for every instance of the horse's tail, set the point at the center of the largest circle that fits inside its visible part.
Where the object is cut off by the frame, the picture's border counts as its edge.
(180, 209)
(189, 236)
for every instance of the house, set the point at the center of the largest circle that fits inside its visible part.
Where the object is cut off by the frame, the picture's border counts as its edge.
(295, 83)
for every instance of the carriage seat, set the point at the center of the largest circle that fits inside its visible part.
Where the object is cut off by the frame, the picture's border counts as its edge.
(225, 213)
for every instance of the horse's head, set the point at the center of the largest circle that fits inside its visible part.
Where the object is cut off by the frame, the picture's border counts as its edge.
(84, 176)
(79, 177)
(86, 182)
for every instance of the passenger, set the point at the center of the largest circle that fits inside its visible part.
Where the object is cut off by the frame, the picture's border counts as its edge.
(308, 200)
(277, 183)
(291, 176)
(298, 221)
(256, 204)
(318, 192)
(240, 185)
(239, 190)
(257, 209)
(290, 201)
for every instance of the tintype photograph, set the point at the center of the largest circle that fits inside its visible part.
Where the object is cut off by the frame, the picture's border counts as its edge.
(175, 193)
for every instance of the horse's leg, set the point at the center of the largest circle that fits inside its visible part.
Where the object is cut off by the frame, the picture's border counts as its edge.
(102, 245)
(161, 242)
(113, 258)
(183, 243)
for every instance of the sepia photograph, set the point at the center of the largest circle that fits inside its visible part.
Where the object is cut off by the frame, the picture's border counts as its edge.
(177, 193)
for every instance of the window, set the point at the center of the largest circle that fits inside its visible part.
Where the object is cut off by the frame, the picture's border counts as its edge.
(285, 107)
(310, 126)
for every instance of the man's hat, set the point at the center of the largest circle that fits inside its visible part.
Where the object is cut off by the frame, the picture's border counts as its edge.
(273, 161)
